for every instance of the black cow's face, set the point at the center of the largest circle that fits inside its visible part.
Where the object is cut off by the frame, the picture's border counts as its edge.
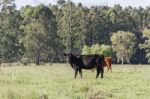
(68, 57)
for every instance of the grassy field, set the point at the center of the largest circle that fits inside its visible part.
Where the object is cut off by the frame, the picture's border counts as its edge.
(57, 82)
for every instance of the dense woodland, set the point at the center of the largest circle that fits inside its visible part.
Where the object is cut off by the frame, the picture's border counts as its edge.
(43, 33)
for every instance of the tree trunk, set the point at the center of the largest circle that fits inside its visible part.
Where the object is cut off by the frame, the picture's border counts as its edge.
(0, 62)
(122, 61)
(37, 57)
(37, 61)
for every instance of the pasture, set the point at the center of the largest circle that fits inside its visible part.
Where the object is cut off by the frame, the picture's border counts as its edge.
(57, 81)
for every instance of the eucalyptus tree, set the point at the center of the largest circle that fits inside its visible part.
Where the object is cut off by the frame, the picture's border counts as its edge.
(64, 26)
(10, 21)
(69, 26)
(40, 32)
(123, 44)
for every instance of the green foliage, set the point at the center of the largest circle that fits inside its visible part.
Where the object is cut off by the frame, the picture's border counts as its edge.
(86, 50)
(106, 50)
(123, 43)
(40, 31)
(68, 27)
(146, 45)
(10, 19)
(97, 49)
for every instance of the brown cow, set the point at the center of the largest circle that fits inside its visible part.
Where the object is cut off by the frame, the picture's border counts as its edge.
(107, 62)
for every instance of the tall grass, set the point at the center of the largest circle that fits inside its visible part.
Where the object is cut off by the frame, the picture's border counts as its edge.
(57, 82)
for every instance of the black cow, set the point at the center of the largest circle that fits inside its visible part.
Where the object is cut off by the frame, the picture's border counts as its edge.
(86, 62)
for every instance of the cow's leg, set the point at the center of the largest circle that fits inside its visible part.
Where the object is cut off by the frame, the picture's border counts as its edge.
(107, 64)
(110, 68)
(76, 72)
(102, 71)
(98, 72)
(80, 71)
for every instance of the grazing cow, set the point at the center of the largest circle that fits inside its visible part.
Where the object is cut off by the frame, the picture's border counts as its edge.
(107, 62)
(86, 62)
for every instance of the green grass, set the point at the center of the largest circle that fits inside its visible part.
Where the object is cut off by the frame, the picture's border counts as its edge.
(57, 82)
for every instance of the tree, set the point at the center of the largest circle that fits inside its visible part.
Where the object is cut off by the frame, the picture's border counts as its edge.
(146, 44)
(65, 26)
(10, 20)
(123, 44)
(40, 29)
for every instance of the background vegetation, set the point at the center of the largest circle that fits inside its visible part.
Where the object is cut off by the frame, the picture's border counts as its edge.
(43, 33)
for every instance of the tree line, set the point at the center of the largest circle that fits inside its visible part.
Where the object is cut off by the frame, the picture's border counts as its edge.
(44, 33)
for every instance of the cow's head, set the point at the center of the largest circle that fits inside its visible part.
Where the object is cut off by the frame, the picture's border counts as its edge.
(68, 57)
